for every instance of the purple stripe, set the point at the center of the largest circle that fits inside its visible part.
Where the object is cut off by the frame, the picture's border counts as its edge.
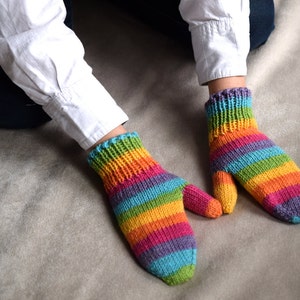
(288, 210)
(226, 94)
(278, 198)
(228, 157)
(164, 249)
(236, 143)
(134, 188)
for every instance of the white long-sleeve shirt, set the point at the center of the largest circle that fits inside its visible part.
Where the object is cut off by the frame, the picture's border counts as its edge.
(46, 59)
(220, 36)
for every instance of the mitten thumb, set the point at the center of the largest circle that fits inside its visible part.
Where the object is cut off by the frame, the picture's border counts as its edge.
(200, 203)
(225, 190)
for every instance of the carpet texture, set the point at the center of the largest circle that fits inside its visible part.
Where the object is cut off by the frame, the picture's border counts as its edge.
(58, 236)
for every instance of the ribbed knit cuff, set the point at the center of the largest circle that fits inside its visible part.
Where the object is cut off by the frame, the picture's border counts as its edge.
(229, 110)
(120, 158)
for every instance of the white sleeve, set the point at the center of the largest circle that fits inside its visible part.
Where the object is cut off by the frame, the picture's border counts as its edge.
(45, 58)
(220, 36)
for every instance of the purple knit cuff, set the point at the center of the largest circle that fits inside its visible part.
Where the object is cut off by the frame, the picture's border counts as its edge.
(241, 92)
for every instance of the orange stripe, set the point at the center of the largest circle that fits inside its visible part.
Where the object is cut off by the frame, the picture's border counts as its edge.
(235, 126)
(225, 190)
(222, 177)
(143, 231)
(123, 160)
(213, 210)
(152, 215)
(261, 179)
(275, 185)
(222, 140)
(114, 176)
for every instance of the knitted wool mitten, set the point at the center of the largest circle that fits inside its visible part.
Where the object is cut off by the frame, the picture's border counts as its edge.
(147, 202)
(238, 149)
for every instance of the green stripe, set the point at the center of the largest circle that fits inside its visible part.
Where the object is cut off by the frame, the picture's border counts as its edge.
(156, 202)
(118, 149)
(262, 166)
(105, 156)
(182, 275)
(228, 116)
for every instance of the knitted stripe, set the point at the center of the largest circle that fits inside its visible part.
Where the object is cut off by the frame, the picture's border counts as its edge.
(125, 145)
(166, 248)
(159, 177)
(290, 205)
(143, 245)
(233, 140)
(280, 193)
(158, 195)
(245, 155)
(251, 170)
(238, 148)
(177, 275)
(208, 207)
(173, 263)
(263, 178)
(142, 232)
(147, 202)
(257, 141)
(230, 127)
(112, 175)
(228, 111)
(152, 215)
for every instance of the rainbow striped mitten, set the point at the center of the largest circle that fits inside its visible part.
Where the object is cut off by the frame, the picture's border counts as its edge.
(238, 150)
(147, 202)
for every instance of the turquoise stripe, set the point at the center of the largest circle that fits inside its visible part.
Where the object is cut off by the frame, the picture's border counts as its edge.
(173, 262)
(122, 137)
(252, 158)
(296, 220)
(148, 195)
(234, 104)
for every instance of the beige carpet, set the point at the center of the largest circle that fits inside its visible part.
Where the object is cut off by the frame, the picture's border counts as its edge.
(58, 237)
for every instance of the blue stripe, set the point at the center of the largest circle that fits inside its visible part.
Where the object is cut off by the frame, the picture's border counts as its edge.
(226, 159)
(166, 248)
(234, 104)
(139, 187)
(148, 195)
(105, 145)
(289, 210)
(170, 264)
(295, 220)
(252, 158)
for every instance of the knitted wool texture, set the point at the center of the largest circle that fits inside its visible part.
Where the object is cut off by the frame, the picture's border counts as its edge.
(147, 202)
(239, 150)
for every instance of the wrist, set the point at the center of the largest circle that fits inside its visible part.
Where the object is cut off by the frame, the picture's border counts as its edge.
(115, 132)
(220, 84)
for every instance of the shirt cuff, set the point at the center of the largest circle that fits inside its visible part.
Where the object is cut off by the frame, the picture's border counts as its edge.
(221, 48)
(85, 111)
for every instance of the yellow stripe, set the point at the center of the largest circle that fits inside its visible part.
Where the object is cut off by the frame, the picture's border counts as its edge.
(140, 233)
(261, 179)
(124, 160)
(152, 215)
(231, 127)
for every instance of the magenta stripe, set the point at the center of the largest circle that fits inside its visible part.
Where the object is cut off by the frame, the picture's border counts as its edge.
(277, 198)
(161, 236)
(237, 143)
(198, 200)
(168, 249)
